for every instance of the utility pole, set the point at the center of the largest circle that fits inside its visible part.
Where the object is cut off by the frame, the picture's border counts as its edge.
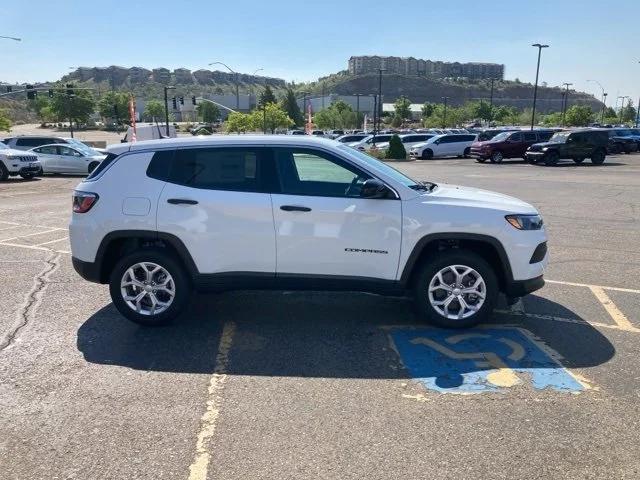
(379, 106)
(539, 46)
(604, 105)
(166, 108)
(622, 107)
(358, 111)
(444, 116)
(491, 102)
(565, 102)
(323, 95)
(638, 113)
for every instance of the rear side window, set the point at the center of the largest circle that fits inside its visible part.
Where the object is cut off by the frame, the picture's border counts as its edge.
(160, 165)
(529, 136)
(516, 137)
(31, 142)
(544, 136)
(235, 169)
(102, 166)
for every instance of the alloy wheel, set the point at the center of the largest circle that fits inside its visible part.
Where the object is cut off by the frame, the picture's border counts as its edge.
(457, 292)
(147, 288)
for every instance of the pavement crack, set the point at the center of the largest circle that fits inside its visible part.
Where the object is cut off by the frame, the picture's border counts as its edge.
(32, 300)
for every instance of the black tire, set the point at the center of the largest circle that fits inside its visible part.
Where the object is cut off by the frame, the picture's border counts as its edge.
(4, 173)
(27, 176)
(597, 157)
(427, 154)
(181, 286)
(442, 260)
(551, 159)
(497, 157)
(92, 166)
(578, 159)
(466, 153)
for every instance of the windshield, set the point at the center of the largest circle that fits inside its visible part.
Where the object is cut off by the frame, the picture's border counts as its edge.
(378, 165)
(501, 136)
(82, 147)
(560, 137)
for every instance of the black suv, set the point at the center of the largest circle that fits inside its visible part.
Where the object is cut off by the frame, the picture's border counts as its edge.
(575, 145)
(623, 140)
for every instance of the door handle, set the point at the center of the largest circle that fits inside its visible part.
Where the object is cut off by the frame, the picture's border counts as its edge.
(181, 201)
(294, 208)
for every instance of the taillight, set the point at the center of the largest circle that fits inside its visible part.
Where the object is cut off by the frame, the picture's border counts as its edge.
(83, 201)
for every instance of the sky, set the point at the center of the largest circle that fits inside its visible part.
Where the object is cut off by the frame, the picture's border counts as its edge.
(299, 40)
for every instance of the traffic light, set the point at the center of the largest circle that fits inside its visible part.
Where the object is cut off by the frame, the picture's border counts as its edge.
(175, 104)
(193, 100)
(50, 93)
(181, 100)
(31, 93)
(9, 89)
(69, 88)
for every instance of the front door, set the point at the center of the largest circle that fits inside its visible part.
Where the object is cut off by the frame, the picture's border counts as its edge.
(70, 160)
(323, 226)
(217, 203)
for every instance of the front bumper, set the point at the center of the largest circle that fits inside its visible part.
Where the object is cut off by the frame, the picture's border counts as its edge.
(520, 288)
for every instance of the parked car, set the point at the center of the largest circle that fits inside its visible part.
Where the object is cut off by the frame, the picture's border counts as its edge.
(318, 133)
(351, 137)
(408, 140)
(16, 162)
(370, 140)
(575, 145)
(215, 213)
(333, 134)
(448, 145)
(27, 142)
(630, 133)
(508, 145)
(296, 132)
(61, 158)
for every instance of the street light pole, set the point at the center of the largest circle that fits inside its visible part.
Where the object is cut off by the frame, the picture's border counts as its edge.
(236, 80)
(358, 111)
(535, 88)
(166, 108)
(565, 103)
(444, 116)
(491, 102)
(604, 106)
(379, 106)
(622, 106)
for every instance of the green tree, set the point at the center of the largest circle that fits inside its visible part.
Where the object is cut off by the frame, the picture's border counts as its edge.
(266, 97)
(396, 121)
(552, 119)
(76, 107)
(428, 109)
(5, 123)
(338, 115)
(154, 110)
(42, 107)
(290, 106)
(115, 105)
(271, 117)
(481, 110)
(396, 149)
(209, 112)
(238, 122)
(402, 107)
(503, 113)
(579, 115)
(628, 113)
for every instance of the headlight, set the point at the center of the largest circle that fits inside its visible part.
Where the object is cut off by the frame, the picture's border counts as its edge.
(525, 222)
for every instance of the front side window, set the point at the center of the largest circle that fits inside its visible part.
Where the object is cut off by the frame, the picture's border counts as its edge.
(516, 137)
(69, 152)
(48, 150)
(316, 173)
(529, 136)
(235, 169)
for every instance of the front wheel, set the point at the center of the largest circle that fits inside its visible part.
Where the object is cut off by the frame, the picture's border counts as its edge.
(597, 158)
(427, 154)
(456, 289)
(149, 287)
(497, 157)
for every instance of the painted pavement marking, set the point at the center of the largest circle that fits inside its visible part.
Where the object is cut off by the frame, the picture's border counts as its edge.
(481, 360)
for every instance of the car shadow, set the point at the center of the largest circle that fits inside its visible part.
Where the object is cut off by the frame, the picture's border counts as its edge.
(21, 180)
(309, 334)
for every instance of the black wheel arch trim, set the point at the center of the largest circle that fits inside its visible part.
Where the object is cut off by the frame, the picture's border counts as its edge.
(419, 247)
(172, 240)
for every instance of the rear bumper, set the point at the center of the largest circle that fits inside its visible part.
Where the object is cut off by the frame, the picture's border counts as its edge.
(88, 270)
(520, 288)
(534, 155)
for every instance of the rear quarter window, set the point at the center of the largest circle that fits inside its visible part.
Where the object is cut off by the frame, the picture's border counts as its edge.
(160, 165)
(102, 166)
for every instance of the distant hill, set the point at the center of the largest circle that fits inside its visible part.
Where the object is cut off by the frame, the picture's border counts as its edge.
(421, 89)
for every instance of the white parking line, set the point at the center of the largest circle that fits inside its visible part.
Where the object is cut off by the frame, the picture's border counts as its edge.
(200, 465)
(50, 241)
(32, 247)
(611, 308)
(29, 235)
(586, 285)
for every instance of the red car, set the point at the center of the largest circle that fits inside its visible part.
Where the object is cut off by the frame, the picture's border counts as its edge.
(508, 145)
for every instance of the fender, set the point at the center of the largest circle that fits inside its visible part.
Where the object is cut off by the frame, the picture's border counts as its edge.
(424, 241)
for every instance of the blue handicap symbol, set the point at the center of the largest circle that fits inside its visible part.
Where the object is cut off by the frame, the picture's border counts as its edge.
(479, 360)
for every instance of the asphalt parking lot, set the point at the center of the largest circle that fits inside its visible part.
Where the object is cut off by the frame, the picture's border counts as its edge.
(280, 385)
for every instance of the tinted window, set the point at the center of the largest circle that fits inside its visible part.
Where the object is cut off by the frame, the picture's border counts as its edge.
(516, 137)
(103, 164)
(447, 139)
(160, 165)
(31, 142)
(235, 169)
(529, 136)
(48, 149)
(311, 172)
(469, 138)
(544, 136)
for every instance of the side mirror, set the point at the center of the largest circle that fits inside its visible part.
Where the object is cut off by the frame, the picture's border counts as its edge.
(374, 188)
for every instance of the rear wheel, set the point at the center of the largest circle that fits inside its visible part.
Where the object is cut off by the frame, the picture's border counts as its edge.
(597, 157)
(456, 289)
(497, 157)
(4, 173)
(149, 287)
(551, 159)
(427, 154)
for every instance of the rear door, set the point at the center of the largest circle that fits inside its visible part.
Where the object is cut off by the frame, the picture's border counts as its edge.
(48, 156)
(323, 227)
(216, 201)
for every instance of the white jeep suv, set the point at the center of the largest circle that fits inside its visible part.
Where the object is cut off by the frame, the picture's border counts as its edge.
(16, 162)
(160, 219)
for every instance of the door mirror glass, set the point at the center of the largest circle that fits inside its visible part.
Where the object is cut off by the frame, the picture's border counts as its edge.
(374, 188)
